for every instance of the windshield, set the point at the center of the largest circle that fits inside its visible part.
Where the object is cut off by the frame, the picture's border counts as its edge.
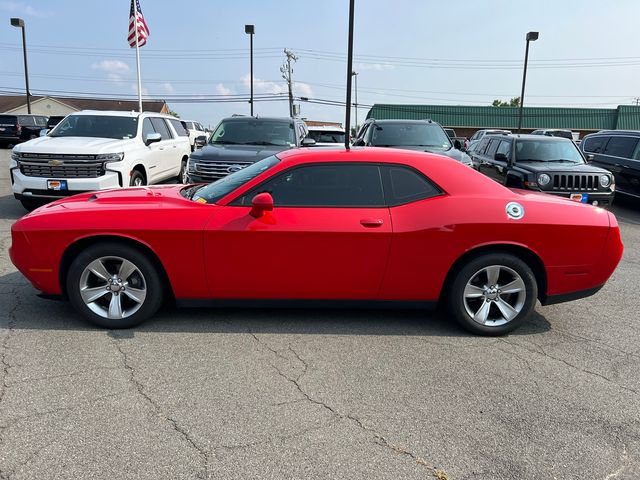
(252, 131)
(409, 134)
(218, 189)
(97, 126)
(325, 136)
(547, 151)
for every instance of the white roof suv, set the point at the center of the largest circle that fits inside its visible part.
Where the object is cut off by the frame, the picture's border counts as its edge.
(327, 135)
(97, 150)
(195, 130)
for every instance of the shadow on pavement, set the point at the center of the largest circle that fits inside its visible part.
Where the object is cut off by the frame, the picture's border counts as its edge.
(40, 314)
(10, 208)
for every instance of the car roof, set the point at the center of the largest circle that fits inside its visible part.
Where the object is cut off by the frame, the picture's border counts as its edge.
(325, 128)
(240, 118)
(122, 113)
(537, 138)
(399, 120)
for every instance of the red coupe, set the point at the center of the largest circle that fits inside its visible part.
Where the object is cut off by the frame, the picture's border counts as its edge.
(353, 226)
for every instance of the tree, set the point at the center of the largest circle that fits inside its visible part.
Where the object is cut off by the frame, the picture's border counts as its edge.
(175, 114)
(514, 102)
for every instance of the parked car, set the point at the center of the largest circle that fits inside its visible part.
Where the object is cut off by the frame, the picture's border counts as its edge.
(97, 150)
(195, 130)
(619, 152)
(450, 132)
(240, 141)
(480, 134)
(326, 135)
(554, 133)
(365, 225)
(19, 128)
(419, 135)
(546, 164)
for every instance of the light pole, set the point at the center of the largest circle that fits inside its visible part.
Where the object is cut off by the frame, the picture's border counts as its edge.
(355, 75)
(531, 37)
(250, 30)
(18, 22)
(347, 103)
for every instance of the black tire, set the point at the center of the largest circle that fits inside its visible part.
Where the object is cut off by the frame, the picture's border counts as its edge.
(459, 306)
(136, 177)
(31, 204)
(149, 279)
(182, 176)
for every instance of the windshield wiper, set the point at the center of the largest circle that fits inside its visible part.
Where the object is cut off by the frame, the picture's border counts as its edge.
(191, 191)
(264, 143)
(562, 160)
(227, 142)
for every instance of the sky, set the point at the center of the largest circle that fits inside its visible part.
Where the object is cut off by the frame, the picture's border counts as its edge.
(459, 52)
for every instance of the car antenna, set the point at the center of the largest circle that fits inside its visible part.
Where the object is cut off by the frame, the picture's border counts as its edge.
(347, 121)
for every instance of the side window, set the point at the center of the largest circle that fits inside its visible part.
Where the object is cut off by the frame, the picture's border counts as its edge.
(621, 147)
(504, 148)
(492, 148)
(147, 128)
(327, 185)
(595, 144)
(26, 120)
(482, 146)
(179, 128)
(406, 185)
(161, 127)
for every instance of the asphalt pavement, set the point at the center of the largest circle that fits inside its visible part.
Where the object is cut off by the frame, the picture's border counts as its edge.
(319, 394)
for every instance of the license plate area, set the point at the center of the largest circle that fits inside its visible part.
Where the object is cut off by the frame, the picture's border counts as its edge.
(57, 185)
(579, 197)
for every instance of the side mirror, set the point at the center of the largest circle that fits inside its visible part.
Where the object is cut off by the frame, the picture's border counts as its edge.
(501, 156)
(457, 145)
(200, 141)
(308, 142)
(152, 138)
(590, 157)
(44, 132)
(262, 202)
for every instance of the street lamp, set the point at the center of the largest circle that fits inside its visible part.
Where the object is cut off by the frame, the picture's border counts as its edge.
(250, 30)
(18, 22)
(355, 75)
(531, 37)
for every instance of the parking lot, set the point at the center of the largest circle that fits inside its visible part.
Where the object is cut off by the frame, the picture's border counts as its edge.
(299, 394)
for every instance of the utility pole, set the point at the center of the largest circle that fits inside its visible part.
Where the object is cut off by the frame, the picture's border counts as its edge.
(286, 71)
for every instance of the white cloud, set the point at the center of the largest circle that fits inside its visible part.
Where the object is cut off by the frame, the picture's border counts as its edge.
(134, 89)
(111, 66)
(168, 88)
(302, 89)
(222, 90)
(263, 86)
(23, 9)
(379, 67)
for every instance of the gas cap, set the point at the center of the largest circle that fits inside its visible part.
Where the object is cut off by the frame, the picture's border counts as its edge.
(515, 210)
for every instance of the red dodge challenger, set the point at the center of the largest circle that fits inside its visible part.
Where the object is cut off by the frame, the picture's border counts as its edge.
(362, 226)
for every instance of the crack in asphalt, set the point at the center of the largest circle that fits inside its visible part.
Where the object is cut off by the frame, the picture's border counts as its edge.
(623, 460)
(184, 434)
(5, 344)
(540, 351)
(379, 439)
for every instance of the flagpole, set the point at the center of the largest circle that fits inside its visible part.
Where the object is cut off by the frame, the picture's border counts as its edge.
(135, 26)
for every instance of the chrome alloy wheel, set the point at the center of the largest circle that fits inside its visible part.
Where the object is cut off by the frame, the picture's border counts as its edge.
(138, 182)
(494, 295)
(113, 287)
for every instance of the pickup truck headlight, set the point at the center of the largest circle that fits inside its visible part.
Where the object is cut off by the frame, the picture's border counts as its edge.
(191, 166)
(605, 180)
(110, 157)
(544, 179)
(15, 156)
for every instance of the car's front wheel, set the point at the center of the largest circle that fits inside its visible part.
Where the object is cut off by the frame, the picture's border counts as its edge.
(114, 285)
(183, 176)
(493, 294)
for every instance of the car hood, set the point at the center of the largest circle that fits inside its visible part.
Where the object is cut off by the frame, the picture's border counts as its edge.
(237, 153)
(73, 145)
(539, 167)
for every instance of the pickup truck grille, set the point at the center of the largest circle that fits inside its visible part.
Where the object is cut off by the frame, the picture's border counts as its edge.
(219, 169)
(576, 182)
(60, 166)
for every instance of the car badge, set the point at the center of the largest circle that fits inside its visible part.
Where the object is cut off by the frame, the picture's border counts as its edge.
(55, 163)
(234, 168)
(515, 210)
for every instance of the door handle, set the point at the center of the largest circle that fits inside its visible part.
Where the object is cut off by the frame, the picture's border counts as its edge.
(371, 222)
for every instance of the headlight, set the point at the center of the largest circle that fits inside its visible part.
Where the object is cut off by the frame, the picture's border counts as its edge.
(191, 166)
(110, 157)
(605, 180)
(543, 179)
(15, 156)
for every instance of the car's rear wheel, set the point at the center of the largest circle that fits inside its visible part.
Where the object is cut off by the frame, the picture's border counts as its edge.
(114, 285)
(493, 294)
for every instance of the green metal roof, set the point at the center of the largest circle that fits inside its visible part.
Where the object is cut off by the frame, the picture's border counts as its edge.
(624, 117)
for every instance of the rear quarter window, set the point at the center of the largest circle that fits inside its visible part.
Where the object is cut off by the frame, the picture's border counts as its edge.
(594, 144)
(405, 185)
(621, 147)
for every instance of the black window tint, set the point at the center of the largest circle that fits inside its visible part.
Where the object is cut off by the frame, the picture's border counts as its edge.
(331, 185)
(147, 128)
(483, 145)
(407, 185)
(161, 127)
(621, 147)
(594, 144)
(493, 147)
(179, 128)
(504, 147)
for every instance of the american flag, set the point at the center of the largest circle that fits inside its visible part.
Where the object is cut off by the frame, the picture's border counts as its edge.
(136, 21)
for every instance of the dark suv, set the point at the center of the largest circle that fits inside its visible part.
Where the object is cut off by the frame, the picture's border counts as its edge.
(547, 164)
(619, 152)
(239, 141)
(19, 128)
(420, 135)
